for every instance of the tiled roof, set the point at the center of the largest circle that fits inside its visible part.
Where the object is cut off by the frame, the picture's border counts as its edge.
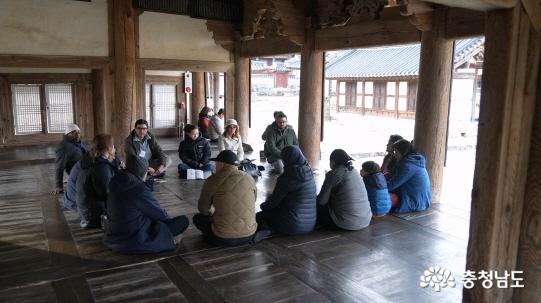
(392, 61)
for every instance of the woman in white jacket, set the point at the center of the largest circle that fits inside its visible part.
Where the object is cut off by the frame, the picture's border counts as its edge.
(230, 139)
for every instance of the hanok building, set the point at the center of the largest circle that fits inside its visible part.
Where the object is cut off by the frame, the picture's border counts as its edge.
(89, 61)
(383, 80)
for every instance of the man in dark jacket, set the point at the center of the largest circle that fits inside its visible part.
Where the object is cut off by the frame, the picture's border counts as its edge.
(142, 143)
(68, 152)
(136, 223)
(291, 208)
(193, 151)
(343, 201)
(280, 136)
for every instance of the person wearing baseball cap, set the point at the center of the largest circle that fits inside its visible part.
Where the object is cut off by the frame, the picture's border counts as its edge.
(68, 152)
(343, 200)
(227, 205)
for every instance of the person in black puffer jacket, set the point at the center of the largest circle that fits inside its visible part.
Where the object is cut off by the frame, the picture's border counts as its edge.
(97, 169)
(193, 151)
(291, 209)
(136, 223)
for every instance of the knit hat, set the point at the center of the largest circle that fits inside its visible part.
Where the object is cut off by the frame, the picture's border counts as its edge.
(137, 165)
(340, 157)
(227, 157)
(71, 127)
(403, 147)
(231, 122)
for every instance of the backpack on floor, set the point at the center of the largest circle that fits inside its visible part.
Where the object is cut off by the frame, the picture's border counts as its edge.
(250, 168)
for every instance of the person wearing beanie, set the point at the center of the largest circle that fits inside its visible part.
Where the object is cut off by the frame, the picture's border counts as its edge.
(216, 125)
(136, 223)
(193, 151)
(291, 209)
(389, 161)
(227, 205)
(68, 152)
(343, 201)
(140, 142)
(230, 139)
(280, 136)
(376, 187)
(410, 185)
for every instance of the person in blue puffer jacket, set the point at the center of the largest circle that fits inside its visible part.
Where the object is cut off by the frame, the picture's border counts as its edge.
(376, 187)
(291, 209)
(410, 185)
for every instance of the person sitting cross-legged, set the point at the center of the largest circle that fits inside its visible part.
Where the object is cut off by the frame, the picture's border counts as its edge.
(278, 137)
(410, 185)
(376, 187)
(291, 209)
(342, 201)
(142, 143)
(193, 151)
(227, 205)
(136, 223)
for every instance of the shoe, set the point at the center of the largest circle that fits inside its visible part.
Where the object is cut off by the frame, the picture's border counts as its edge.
(260, 235)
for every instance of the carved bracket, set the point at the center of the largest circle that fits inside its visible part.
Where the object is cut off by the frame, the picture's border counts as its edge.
(418, 12)
(342, 12)
(273, 18)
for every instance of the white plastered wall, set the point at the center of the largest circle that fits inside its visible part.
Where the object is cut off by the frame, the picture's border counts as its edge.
(166, 36)
(54, 27)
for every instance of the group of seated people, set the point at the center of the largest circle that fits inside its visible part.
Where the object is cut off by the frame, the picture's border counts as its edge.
(118, 197)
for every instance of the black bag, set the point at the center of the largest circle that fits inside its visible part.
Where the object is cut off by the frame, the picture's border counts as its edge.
(251, 169)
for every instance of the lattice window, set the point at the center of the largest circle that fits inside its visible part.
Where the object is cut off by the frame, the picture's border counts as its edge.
(59, 98)
(27, 108)
(165, 106)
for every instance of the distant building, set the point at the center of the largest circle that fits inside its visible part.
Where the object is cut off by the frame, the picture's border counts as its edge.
(383, 80)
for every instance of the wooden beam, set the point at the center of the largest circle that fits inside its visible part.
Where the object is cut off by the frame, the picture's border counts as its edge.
(510, 72)
(44, 61)
(478, 5)
(463, 23)
(433, 97)
(366, 34)
(99, 101)
(268, 47)
(184, 65)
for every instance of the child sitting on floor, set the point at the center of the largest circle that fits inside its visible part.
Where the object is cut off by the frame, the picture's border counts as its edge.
(376, 187)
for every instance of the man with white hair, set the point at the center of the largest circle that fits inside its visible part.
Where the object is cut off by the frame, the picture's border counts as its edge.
(68, 152)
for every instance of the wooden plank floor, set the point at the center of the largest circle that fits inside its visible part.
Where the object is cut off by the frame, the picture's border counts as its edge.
(46, 257)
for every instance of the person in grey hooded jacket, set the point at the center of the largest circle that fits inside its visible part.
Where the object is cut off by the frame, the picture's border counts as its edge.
(343, 201)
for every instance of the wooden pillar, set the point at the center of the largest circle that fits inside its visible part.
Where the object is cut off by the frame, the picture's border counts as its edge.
(124, 104)
(432, 110)
(510, 85)
(310, 100)
(242, 91)
(99, 101)
(198, 95)
(216, 92)
(229, 102)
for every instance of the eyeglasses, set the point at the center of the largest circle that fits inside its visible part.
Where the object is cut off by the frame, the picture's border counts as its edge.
(142, 128)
